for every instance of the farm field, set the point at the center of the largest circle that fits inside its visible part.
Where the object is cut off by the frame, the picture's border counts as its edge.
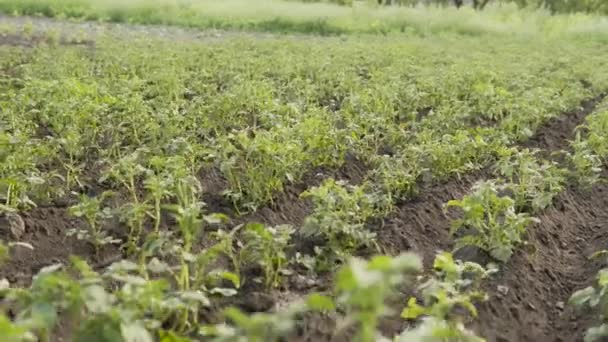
(166, 184)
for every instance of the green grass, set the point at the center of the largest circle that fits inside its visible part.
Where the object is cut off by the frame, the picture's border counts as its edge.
(317, 18)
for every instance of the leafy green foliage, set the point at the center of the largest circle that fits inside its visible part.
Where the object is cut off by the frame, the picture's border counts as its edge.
(339, 217)
(90, 208)
(595, 298)
(124, 315)
(397, 176)
(533, 181)
(597, 126)
(362, 287)
(257, 168)
(497, 227)
(448, 301)
(258, 327)
(590, 147)
(267, 247)
(585, 163)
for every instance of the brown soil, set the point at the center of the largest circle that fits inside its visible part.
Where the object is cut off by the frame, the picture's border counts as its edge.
(45, 231)
(422, 225)
(556, 134)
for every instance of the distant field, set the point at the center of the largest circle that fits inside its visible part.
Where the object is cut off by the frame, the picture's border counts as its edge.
(318, 18)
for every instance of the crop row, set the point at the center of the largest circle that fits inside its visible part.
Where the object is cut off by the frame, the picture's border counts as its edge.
(590, 156)
(270, 116)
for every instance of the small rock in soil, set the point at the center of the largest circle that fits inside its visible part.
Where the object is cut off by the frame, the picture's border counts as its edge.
(503, 290)
(12, 224)
(560, 305)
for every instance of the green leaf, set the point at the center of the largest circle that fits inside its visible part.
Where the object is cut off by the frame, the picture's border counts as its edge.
(408, 262)
(170, 336)
(97, 299)
(226, 292)
(135, 332)
(319, 302)
(413, 310)
(581, 297)
(595, 334)
(12, 332)
(599, 254)
(44, 313)
(602, 277)
(235, 315)
(232, 277)
(195, 296)
(216, 218)
(157, 266)
(501, 253)
(445, 262)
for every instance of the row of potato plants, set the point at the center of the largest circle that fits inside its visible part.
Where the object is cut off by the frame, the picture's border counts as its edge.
(262, 125)
(589, 156)
(499, 211)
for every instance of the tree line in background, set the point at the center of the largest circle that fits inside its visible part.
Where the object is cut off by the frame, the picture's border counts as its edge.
(555, 6)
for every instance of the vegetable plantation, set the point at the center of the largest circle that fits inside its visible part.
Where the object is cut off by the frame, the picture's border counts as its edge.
(174, 185)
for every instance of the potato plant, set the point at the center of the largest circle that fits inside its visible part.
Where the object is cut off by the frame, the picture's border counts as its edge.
(495, 225)
(339, 219)
(534, 182)
(267, 247)
(448, 301)
(594, 298)
(362, 287)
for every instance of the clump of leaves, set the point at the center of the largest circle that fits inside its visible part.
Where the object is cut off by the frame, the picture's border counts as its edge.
(90, 208)
(339, 217)
(449, 298)
(534, 182)
(397, 175)
(586, 164)
(257, 167)
(257, 327)
(21, 180)
(597, 127)
(595, 298)
(126, 171)
(497, 227)
(453, 154)
(159, 188)
(267, 247)
(362, 287)
(127, 314)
